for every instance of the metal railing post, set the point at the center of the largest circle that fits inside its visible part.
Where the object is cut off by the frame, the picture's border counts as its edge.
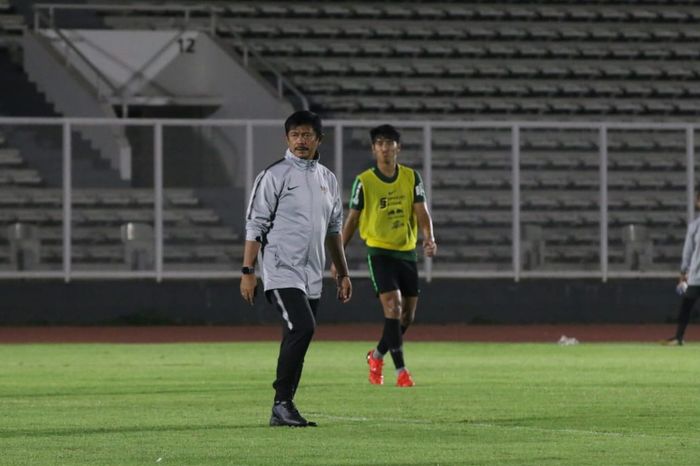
(67, 200)
(248, 164)
(690, 172)
(603, 172)
(428, 185)
(515, 167)
(338, 156)
(212, 21)
(158, 197)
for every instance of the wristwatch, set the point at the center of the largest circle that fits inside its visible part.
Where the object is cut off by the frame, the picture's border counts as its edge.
(247, 270)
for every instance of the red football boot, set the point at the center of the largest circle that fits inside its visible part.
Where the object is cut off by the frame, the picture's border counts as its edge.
(404, 379)
(375, 369)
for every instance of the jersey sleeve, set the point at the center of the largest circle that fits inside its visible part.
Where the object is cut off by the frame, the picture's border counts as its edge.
(357, 195)
(261, 207)
(418, 189)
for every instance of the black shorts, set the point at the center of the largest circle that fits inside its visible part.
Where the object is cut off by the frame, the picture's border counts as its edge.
(389, 274)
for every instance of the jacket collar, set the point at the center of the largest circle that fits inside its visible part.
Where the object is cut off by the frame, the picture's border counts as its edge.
(302, 164)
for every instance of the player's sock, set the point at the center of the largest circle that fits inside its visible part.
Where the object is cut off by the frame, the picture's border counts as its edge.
(383, 345)
(397, 356)
(394, 341)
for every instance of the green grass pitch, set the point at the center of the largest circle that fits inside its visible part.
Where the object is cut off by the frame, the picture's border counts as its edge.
(481, 404)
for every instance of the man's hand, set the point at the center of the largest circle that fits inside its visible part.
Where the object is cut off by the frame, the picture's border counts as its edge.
(249, 285)
(429, 247)
(344, 288)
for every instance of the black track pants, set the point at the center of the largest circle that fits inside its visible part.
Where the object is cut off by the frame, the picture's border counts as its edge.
(298, 324)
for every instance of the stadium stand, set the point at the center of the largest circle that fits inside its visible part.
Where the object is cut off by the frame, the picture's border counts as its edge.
(486, 61)
(195, 236)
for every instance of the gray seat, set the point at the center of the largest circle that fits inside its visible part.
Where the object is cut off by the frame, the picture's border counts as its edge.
(638, 247)
(533, 247)
(138, 241)
(25, 246)
(10, 157)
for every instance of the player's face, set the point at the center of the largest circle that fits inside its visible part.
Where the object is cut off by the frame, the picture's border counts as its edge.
(303, 141)
(385, 150)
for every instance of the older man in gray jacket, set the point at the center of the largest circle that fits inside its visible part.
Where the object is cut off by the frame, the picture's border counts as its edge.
(689, 281)
(294, 210)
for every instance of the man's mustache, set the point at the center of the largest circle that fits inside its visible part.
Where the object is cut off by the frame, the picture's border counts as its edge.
(301, 148)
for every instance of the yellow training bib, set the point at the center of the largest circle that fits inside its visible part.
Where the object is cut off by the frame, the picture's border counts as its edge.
(387, 220)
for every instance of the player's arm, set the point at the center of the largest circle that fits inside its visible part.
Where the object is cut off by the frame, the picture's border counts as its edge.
(425, 224)
(349, 228)
(425, 221)
(262, 204)
(356, 204)
(334, 246)
(688, 249)
(352, 222)
(249, 280)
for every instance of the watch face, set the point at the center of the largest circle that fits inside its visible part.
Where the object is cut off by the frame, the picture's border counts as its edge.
(247, 270)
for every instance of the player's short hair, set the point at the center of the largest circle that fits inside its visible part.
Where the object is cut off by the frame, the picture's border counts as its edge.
(304, 117)
(386, 132)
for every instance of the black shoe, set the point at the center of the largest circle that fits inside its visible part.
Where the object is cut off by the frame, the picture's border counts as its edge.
(284, 413)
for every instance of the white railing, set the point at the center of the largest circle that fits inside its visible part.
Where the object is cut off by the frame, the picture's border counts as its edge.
(338, 127)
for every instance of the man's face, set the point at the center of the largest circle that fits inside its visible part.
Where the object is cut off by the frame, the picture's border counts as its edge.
(303, 141)
(385, 150)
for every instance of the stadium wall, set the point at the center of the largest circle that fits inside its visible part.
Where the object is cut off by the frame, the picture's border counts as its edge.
(442, 302)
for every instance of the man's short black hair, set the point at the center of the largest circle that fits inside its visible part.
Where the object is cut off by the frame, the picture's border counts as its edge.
(304, 117)
(386, 132)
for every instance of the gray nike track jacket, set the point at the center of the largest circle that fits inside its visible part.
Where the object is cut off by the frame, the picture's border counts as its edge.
(690, 262)
(294, 205)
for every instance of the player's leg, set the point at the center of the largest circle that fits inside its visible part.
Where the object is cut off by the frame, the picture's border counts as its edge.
(391, 302)
(298, 324)
(384, 281)
(391, 305)
(392, 336)
(408, 312)
(313, 304)
(687, 304)
(407, 272)
(408, 283)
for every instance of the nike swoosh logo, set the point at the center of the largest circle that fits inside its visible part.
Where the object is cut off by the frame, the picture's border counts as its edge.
(289, 188)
